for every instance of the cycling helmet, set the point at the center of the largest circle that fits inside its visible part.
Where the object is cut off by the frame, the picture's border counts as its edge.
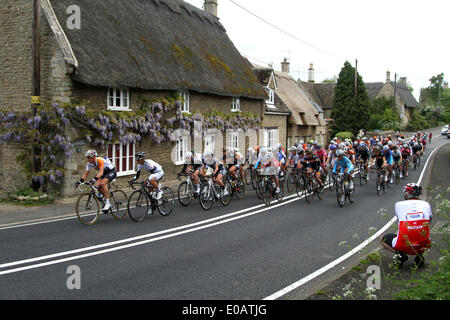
(300, 149)
(188, 155)
(362, 145)
(90, 154)
(209, 154)
(332, 147)
(263, 150)
(268, 156)
(412, 190)
(385, 148)
(318, 147)
(275, 148)
(340, 153)
(390, 143)
(292, 148)
(308, 151)
(140, 155)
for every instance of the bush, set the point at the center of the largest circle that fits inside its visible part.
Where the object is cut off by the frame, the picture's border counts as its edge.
(344, 135)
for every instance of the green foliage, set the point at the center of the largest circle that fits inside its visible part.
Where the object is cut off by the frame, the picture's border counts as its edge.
(350, 114)
(26, 196)
(417, 122)
(344, 135)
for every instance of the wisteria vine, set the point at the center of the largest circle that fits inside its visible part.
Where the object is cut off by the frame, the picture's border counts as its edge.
(156, 120)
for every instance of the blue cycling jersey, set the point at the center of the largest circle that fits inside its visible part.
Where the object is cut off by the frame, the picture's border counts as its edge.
(388, 156)
(343, 164)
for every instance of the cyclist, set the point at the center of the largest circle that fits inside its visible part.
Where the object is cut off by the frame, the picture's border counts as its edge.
(270, 166)
(312, 164)
(209, 161)
(424, 142)
(280, 155)
(416, 149)
(322, 155)
(193, 163)
(363, 151)
(414, 218)
(155, 170)
(406, 154)
(345, 166)
(106, 173)
(379, 161)
(397, 157)
(387, 154)
(236, 163)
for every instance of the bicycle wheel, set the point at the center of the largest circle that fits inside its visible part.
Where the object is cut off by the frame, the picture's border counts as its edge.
(332, 181)
(320, 192)
(309, 191)
(340, 193)
(397, 175)
(167, 201)
(138, 206)
(119, 203)
(267, 192)
(300, 185)
(239, 189)
(351, 194)
(260, 187)
(87, 209)
(290, 182)
(378, 185)
(280, 194)
(225, 200)
(184, 194)
(206, 197)
(248, 176)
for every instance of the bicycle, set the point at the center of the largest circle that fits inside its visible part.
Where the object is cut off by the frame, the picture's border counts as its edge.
(89, 203)
(186, 189)
(210, 192)
(237, 186)
(416, 161)
(342, 190)
(143, 201)
(396, 172)
(380, 182)
(267, 188)
(363, 174)
(312, 187)
(291, 178)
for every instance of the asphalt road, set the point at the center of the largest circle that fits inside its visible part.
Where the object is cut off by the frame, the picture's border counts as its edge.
(243, 251)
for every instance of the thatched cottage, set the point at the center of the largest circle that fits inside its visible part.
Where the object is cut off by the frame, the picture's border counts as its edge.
(113, 55)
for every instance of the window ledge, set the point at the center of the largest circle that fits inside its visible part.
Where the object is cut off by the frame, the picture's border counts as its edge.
(126, 173)
(119, 109)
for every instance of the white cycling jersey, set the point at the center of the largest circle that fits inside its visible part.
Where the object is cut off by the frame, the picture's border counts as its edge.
(414, 218)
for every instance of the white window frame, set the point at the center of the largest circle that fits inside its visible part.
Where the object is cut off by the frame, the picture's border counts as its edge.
(186, 103)
(121, 94)
(181, 147)
(119, 171)
(271, 101)
(270, 138)
(233, 141)
(236, 104)
(210, 143)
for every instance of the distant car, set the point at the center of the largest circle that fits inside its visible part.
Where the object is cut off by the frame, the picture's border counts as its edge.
(444, 130)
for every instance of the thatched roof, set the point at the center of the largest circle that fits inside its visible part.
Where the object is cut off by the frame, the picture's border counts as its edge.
(407, 96)
(303, 111)
(321, 93)
(154, 44)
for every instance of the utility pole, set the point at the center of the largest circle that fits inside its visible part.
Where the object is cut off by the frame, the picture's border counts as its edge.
(356, 83)
(36, 81)
(395, 89)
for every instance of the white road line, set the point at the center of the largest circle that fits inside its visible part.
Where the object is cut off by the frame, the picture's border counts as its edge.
(34, 266)
(322, 270)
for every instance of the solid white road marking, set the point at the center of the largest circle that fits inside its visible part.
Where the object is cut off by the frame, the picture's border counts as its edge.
(322, 270)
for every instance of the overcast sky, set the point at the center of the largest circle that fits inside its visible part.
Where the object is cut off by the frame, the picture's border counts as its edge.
(407, 37)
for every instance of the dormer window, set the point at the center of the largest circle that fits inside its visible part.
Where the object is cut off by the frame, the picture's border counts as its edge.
(271, 97)
(118, 99)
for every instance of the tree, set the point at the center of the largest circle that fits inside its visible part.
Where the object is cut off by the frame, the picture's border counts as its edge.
(350, 112)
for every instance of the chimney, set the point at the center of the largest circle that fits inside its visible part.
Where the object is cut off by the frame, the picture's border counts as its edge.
(388, 76)
(285, 66)
(403, 81)
(210, 6)
(311, 73)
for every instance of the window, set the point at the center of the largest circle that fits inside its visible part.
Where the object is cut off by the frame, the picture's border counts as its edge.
(270, 138)
(234, 140)
(210, 143)
(236, 105)
(118, 99)
(180, 149)
(185, 96)
(122, 157)
(271, 100)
